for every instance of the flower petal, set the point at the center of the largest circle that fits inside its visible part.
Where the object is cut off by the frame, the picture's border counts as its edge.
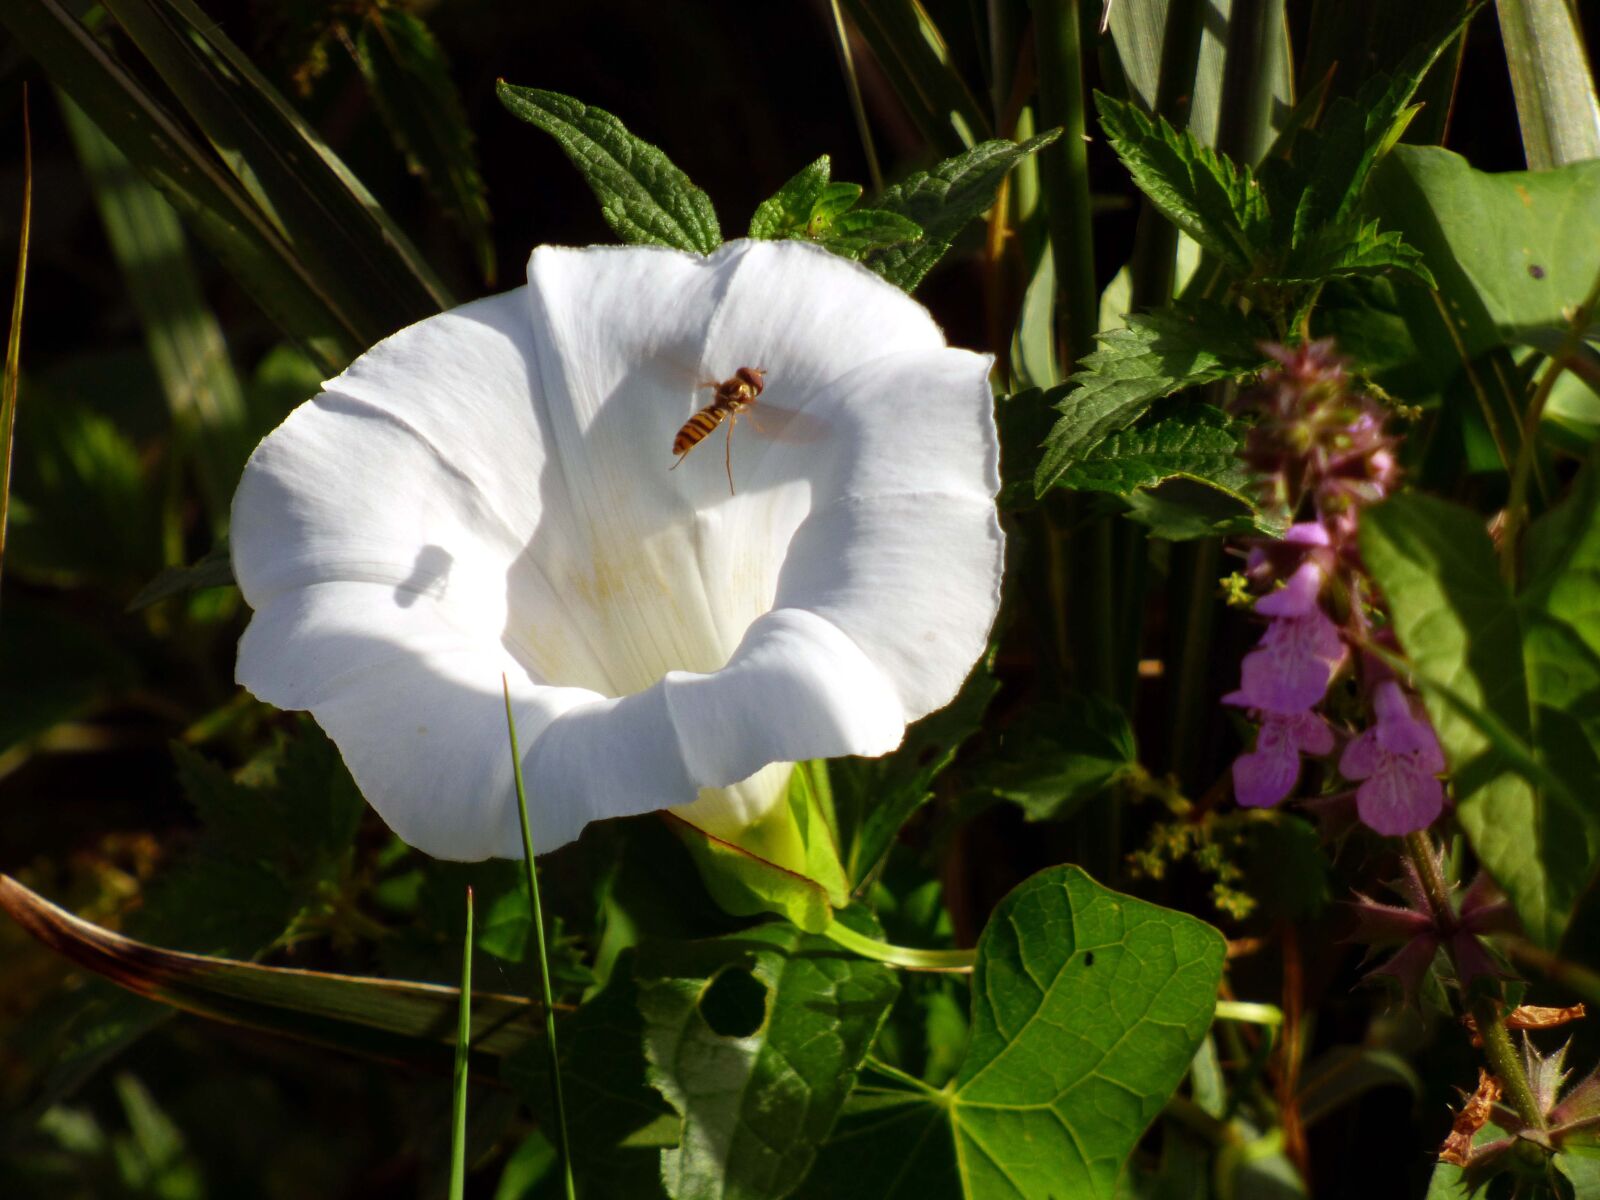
(1265, 776)
(797, 688)
(1399, 799)
(911, 578)
(416, 709)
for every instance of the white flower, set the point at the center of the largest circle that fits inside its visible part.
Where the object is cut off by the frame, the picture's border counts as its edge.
(488, 492)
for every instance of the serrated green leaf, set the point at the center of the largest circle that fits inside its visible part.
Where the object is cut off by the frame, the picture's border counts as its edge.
(862, 230)
(409, 81)
(1087, 1009)
(1349, 248)
(786, 212)
(1196, 442)
(755, 1039)
(1214, 200)
(643, 196)
(1181, 510)
(1155, 355)
(833, 201)
(1512, 684)
(941, 201)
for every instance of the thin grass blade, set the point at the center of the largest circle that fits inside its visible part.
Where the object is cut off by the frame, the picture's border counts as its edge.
(458, 1128)
(8, 389)
(1552, 82)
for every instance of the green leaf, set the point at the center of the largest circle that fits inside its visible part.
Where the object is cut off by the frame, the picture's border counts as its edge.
(1156, 355)
(1349, 248)
(1196, 442)
(1512, 684)
(642, 195)
(1181, 510)
(618, 1123)
(876, 796)
(409, 80)
(863, 230)
(1087, 1008)
(1056, 757)
(1550, 78)
(755, 1039)
(405, 1022)
(788, 210)
(1214, 200)
(1513, 253)
(832, 202)
(941, 201)
(183, 337)
(213, 569)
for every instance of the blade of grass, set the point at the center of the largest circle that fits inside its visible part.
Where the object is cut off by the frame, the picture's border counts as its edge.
(538, 934)
(8, 391)
(916, 58)
(217, 208)
(1550, 77)
(458, 1129)
(181, 334)
(847, 64)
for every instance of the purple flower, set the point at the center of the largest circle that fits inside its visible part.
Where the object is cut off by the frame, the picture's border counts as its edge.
(1397, 760)
(1268, 773)
(1289, 669)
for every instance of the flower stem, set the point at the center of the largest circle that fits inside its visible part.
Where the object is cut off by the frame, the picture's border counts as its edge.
(458, 1124)
(909, 957)
(544, 961)
(1497, 1047)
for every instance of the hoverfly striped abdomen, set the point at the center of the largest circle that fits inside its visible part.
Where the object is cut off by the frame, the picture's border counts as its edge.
(729, 398)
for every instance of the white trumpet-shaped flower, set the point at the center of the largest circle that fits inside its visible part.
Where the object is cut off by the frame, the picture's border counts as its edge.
(488, 492)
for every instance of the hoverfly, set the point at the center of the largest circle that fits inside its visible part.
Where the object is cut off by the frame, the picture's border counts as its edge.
(729, 398)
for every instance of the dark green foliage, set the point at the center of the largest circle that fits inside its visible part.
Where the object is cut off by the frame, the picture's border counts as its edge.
(643, 196)
(410, 82)
(941, 202)
(1087, 1009)
(1156, 355)
(1056, 757)
(755, 1039)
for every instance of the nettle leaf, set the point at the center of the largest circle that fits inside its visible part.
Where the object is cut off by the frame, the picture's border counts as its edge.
(755, 1038)
(1087, 1009)
(788, 210)
(1156, 355)
(409, 81)
(1214, 200)
(643, 196)
(861, 230)
(941, 201)
(1355, 132)
(1350, 248)
(833, 201)
(1512, 684)
(1513, 253)
(1195, 442)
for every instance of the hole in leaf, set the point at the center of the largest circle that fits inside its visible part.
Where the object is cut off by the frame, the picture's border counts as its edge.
(1088, 958)
(734, 1003)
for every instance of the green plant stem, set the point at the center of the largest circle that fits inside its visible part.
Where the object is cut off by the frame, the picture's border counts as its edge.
(1194, 655)
(544, 961)
(1522, 471)
(899, 956)
(1569, 974)
(1497, 1047)
(458, 1138)
(1064, 174)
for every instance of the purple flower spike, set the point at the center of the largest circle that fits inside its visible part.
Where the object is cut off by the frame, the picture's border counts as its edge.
(1397, 760)
(1297, 597)
(1289, 669)
(1267, 774)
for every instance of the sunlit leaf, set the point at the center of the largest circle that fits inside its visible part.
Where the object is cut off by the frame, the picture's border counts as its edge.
(643, 196)
(1087, 1008)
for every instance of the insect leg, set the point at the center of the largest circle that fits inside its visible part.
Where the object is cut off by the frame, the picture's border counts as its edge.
(727, 456)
